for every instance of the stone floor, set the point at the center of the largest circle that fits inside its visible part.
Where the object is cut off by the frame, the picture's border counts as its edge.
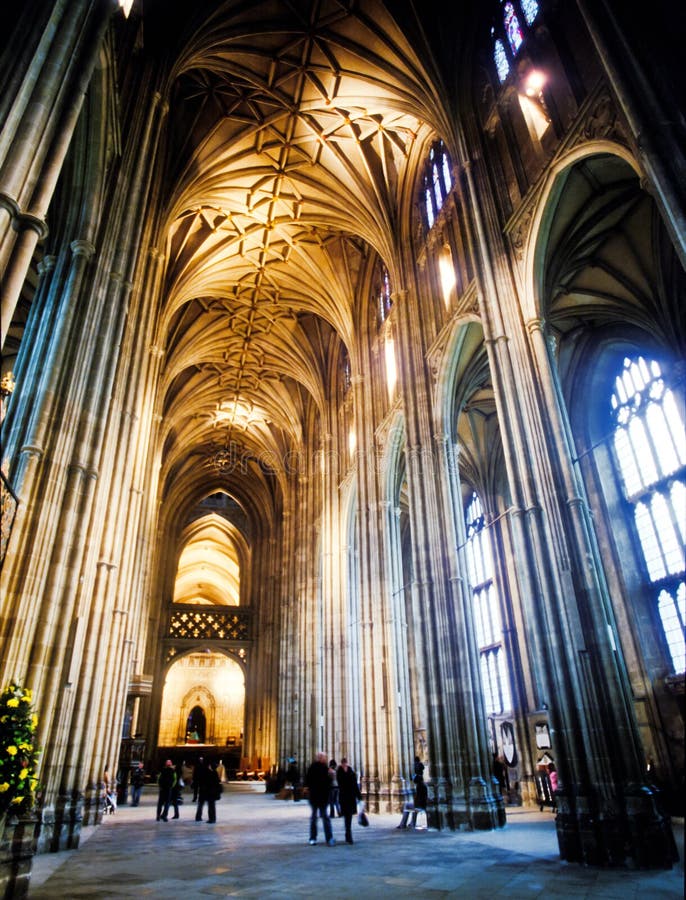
(259, 849)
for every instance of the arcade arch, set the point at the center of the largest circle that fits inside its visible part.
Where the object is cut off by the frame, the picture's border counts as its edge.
(203, 692)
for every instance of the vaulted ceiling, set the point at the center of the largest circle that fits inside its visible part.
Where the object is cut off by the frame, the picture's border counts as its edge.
(291, 126)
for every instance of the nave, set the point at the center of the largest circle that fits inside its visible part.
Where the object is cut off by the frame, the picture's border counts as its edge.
(343, 393)
(258, 848)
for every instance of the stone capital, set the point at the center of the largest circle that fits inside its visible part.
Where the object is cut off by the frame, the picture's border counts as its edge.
(82, 248)
(29, 222)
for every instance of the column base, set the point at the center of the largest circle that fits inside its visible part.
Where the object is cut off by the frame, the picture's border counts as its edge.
(17, 849)
(487, 811)
(632, 832)
(67, 819)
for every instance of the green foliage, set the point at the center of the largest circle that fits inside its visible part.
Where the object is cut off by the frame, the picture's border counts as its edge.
(18, 752)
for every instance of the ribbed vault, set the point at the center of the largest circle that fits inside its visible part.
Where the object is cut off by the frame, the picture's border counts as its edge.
(209, 569)
(290, 128)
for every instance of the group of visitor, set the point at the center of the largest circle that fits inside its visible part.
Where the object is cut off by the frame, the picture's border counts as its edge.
(331, 788)
(207, 789)
(333, 791)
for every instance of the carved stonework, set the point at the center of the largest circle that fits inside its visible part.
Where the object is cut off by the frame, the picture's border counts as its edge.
(598, 120)
(390, 421)
(520, 233)
(601, 122)
(210, 623)
(468, 305)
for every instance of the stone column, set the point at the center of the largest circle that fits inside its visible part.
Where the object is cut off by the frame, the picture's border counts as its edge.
(18, 414)
(607, 792)
(460, 787)
(404, 669)
(118, 417)
(47, 108)
(372, 591)
(484, 809)
(576, 668)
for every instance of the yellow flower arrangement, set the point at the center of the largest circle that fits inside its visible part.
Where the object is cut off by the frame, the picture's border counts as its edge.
(18, 752)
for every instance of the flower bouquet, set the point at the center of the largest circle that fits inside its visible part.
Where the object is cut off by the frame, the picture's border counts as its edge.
(18, 752)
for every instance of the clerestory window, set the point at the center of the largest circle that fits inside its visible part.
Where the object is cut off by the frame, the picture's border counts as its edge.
(650, 452)
(437, 181)
(383, 296)
(489, 630)
(346, 371)
(508, 34)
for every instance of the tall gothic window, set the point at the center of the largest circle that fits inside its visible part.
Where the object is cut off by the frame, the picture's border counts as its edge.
(514, 19)
(346, 371)
(650, 451)
(489, 630)
(437, 181)
(383, 296)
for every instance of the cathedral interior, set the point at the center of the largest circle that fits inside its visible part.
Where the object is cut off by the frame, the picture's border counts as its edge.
(343, 401)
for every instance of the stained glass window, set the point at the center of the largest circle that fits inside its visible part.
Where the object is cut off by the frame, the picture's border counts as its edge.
(509, 33)
(502, 63)
(650, 450)
(513, 29)
(384, 302)
(447, 176)
(437, 181)
(489, 630)
(530, 10)
(346, 370)
(436, 178)
(430, 217)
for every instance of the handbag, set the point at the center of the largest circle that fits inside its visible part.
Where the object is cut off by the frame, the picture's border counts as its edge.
(362, 818)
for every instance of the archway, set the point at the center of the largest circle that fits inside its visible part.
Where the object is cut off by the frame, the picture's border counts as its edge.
(203, 702)
(195, 726)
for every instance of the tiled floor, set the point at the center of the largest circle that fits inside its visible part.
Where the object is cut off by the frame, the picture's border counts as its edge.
(259, 849)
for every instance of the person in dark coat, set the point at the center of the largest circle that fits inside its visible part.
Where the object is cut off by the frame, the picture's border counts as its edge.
(165, 785)
(348, 795)
(176, 798)
(209, 790)
(137, 782)
(196, 778)
(420, 802)
(318, 782)
(334, 804)
(293, 777)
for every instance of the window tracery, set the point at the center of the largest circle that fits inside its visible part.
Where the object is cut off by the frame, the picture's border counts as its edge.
(489, 630)
(650, 453)
(437, 181)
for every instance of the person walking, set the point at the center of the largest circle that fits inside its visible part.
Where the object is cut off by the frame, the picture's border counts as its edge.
(176, 798)
(348, 795)
(165, 786)
(137, 782)
(293, 777)
(318, 781)
(334, 805)
(208, 792)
